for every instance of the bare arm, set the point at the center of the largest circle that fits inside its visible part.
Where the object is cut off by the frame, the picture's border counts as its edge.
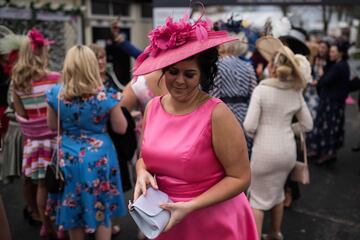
(231, 149)
(143, 176)
(118, 120)
(130, 99)
(18, 106)
(51, 118)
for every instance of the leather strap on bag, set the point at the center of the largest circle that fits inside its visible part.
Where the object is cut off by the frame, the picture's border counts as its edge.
(303, 146)
(58, 175)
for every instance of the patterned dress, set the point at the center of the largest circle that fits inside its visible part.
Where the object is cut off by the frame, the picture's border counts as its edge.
(93, 192)
(37, 152)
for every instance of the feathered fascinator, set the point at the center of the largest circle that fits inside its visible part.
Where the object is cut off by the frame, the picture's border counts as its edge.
(37, 39)
(177, 41)
(11, 42)
(277, 27)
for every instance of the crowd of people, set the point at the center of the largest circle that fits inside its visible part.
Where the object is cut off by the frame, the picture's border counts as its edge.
(200, 98)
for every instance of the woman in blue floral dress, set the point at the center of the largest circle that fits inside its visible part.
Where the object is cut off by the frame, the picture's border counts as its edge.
(92, 192)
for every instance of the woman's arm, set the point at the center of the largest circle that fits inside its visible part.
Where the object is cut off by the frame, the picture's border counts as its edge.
(143, 176)
(253, 114)
(18, 106)
(127, 47)
(130, 100)
(305, 121)
(118, 120)
(231, 149)
(332, 76)
(51, 118)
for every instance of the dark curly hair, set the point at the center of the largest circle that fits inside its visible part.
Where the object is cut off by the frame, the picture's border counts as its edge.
(206, 61)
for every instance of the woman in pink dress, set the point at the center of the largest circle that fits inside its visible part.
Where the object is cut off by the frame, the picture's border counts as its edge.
(192, 142)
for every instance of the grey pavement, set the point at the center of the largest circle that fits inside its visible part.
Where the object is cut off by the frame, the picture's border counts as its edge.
(329, 208)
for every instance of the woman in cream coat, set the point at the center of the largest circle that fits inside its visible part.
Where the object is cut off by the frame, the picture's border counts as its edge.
(273, 105)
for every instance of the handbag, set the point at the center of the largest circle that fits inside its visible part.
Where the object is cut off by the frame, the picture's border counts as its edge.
(300, 172)
(147, 213)
(54, 177)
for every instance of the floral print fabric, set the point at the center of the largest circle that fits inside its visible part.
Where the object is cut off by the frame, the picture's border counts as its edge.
(93, 192)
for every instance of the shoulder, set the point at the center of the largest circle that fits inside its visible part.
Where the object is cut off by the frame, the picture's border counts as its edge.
(53, 76)
(220, 111)
(343, 65)
(55, 88)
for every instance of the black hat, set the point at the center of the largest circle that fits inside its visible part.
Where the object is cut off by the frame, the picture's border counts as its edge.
(295, 40)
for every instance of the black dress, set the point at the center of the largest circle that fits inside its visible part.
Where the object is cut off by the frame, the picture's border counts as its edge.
(125, 144)
(333, 88)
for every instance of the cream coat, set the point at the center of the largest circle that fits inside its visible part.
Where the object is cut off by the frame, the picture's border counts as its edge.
(272, 108)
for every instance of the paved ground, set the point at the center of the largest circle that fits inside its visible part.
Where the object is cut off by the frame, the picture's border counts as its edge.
(329, 208)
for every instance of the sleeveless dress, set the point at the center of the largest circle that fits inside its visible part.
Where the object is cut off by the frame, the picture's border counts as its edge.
(93, 192)
(37, 152)
(178, 150)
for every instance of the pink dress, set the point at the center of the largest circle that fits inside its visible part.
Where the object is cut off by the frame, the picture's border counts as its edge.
(178, 149)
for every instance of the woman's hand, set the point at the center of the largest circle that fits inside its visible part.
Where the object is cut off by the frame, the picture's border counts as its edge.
(143, 179)
(178, 211)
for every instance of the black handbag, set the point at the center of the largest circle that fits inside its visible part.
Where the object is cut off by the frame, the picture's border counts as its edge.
(54, 177)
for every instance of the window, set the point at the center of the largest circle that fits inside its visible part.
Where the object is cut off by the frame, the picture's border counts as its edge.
(101, 7)
(110, 7)
(146, 10)
(121, 8)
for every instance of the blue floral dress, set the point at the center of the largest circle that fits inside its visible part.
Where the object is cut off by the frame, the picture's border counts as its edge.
(92, 192)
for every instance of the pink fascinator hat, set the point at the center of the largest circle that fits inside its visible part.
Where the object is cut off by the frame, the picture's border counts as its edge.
(177, 41)
(37, 39)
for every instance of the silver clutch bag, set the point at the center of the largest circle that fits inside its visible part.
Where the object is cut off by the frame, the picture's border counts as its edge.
(147, 213)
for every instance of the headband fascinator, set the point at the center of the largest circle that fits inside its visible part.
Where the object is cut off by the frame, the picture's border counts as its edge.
(235, 24)
(37, 40)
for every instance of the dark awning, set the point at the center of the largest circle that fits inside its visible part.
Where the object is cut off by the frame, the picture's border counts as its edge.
(185, 3)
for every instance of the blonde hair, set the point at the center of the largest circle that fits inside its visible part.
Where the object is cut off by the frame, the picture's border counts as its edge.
(81, 76)
(236, 48)
(31, 64)
(97, 49)
(285, 70)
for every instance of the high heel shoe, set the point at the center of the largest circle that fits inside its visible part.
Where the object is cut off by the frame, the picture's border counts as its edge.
(49, 233)
(60, 234)
(29, 216)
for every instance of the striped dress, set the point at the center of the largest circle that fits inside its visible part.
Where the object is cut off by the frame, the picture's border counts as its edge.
(234, 84)
(37, 152)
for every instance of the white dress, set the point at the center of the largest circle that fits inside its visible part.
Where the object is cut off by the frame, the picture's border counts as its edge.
(269, 119)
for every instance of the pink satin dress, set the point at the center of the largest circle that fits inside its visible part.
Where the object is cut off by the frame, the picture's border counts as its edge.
(178, 149)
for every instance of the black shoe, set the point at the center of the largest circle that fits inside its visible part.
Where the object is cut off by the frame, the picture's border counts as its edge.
(356, 148)
(27, 214)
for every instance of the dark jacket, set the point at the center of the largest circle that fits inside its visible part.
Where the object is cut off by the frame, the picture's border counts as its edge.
(334, 84)
(4, 86)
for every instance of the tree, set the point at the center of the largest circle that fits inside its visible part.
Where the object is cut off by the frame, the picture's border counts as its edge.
(327, 12)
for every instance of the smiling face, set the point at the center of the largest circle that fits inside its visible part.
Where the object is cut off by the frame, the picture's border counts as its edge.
(334, 53)
(183, 79)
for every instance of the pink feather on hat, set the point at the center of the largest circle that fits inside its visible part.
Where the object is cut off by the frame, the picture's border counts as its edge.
(176, 41)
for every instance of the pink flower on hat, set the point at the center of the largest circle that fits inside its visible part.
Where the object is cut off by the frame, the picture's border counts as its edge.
(174, 34)
(170, 35)
(37, 39)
